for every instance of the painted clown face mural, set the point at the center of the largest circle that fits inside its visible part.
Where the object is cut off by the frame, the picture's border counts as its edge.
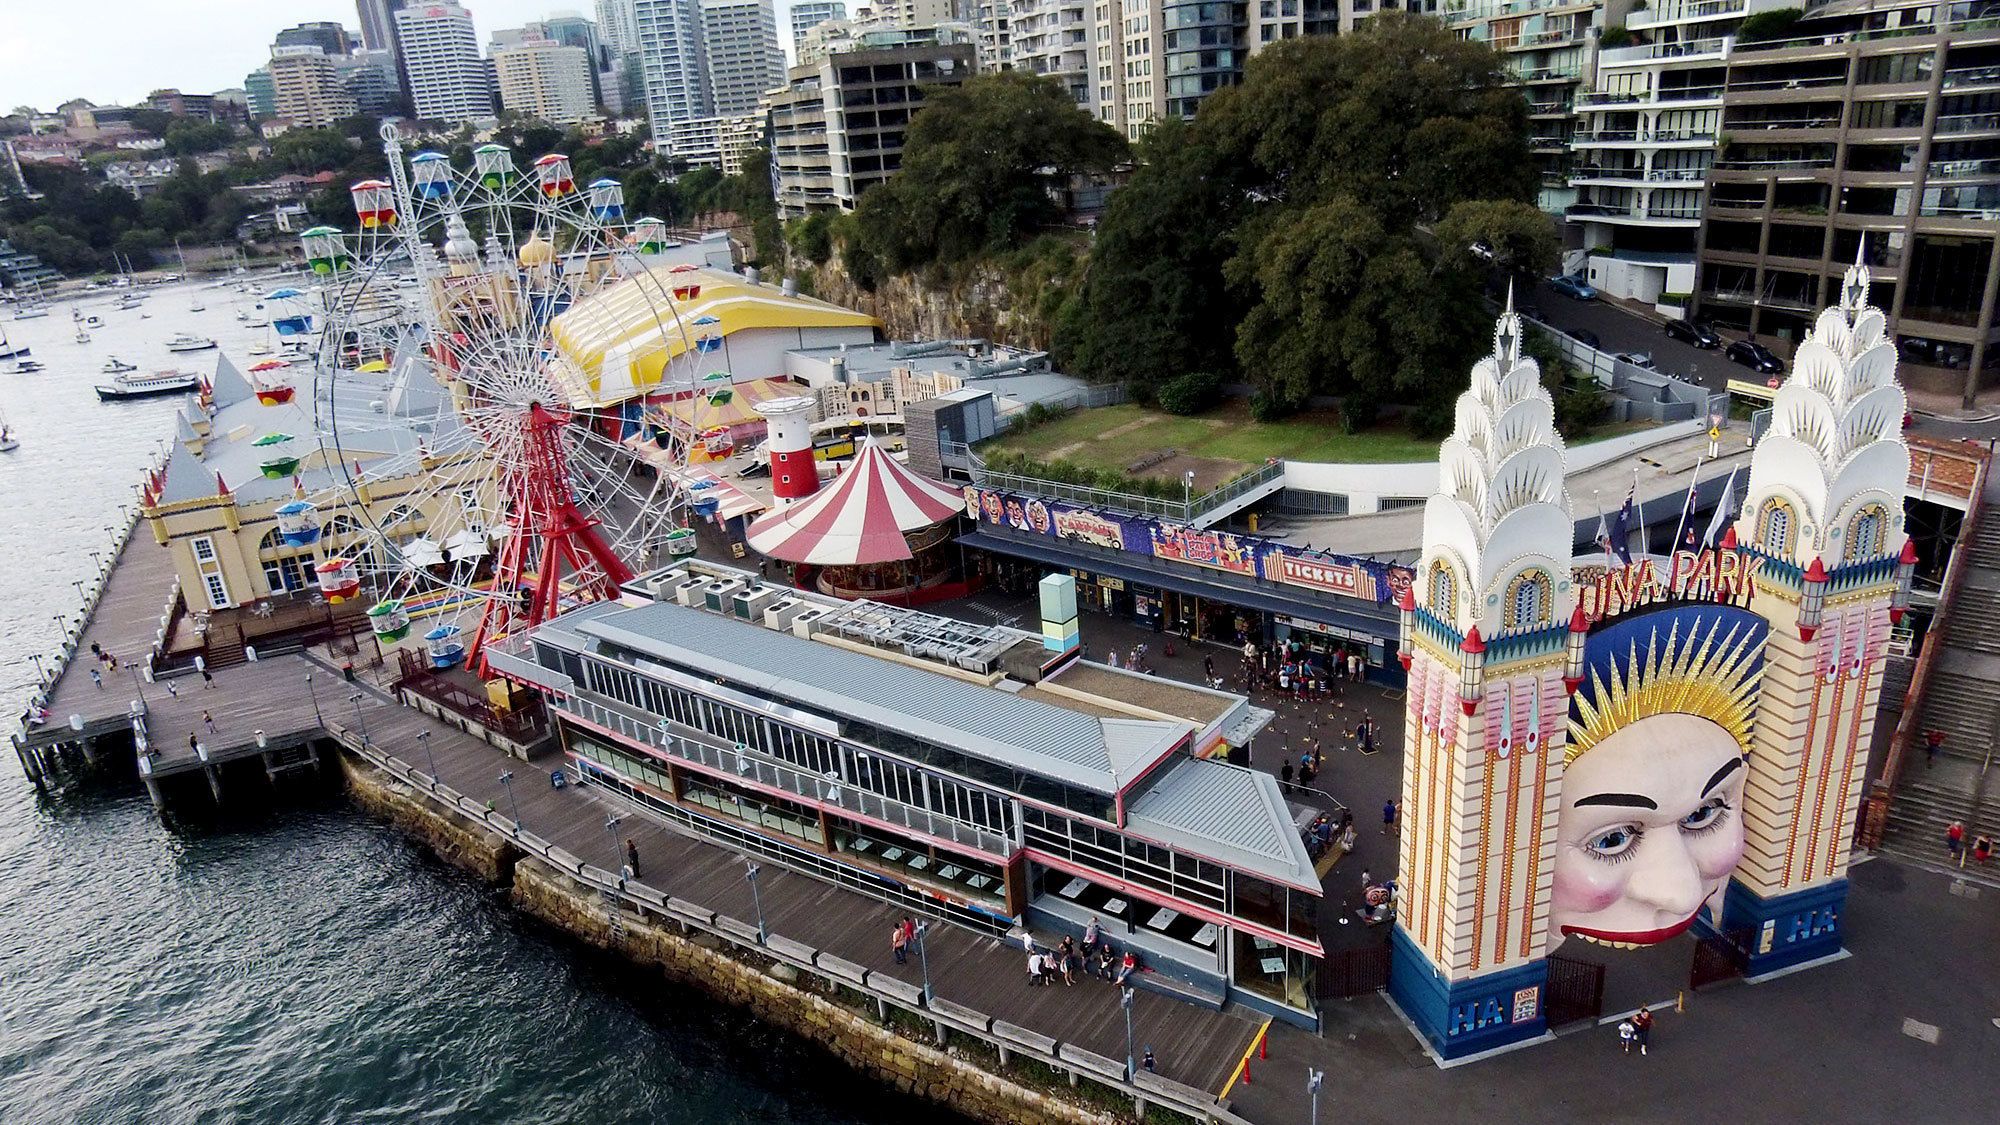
(1651, 823)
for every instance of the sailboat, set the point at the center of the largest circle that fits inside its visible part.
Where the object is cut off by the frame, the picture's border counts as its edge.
(10, 350)
(7, 442)
(35, 310)
(194, 302)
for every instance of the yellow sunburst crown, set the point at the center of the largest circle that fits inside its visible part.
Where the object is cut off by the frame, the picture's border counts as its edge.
(1714, 677)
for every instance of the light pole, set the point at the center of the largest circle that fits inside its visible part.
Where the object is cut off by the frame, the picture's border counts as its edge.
(924, 960)
(99, 557)
(1187, 493)
(314, 696)
(1126, 996)
(41, 673)
(611, 829)
(1313, 1079)
(756, 902)
(507, 782)
(359, 719)
(424, 739)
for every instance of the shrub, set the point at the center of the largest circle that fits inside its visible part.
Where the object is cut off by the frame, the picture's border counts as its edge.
(1614, 37)
(1191, 393)
(1776, 24)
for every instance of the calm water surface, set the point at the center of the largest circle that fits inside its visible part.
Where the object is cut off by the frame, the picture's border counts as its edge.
(308, 966)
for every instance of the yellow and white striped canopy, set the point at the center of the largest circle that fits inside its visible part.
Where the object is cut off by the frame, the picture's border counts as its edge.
(617, 343)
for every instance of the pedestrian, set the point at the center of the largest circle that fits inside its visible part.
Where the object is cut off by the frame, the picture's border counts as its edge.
(97, 650)
(1933, 742)
(1034, 964)
(632, 857)
(1027, 941)
(194, 744)
(207, 679)
(1626, 1033)
(173, 689)
(1347, 838)
(1285, 772)
(1112, 658)
(1126, 967)
(1642, 1027)
(1208, 667)
(1148, 1064)
(1090, 934)
(208, 721)
(1105, 958)
(97, 677)
(111, 660)
(1050, 967)
(1069, 962)
(1365, 734)
(1356, 669)
(899, 943)
(1954, 838)
(1388, 817)
(1982, 847)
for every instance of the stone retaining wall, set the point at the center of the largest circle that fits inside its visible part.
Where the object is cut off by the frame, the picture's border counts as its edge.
(452, 838)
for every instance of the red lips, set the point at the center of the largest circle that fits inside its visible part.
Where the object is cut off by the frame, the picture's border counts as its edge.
(1642, 937)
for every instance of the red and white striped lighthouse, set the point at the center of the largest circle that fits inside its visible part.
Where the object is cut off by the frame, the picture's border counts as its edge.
(794, 473)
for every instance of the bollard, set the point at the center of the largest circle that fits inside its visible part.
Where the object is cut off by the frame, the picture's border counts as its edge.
(1246, 1070)
(1681, 1001)
(1264, 1044)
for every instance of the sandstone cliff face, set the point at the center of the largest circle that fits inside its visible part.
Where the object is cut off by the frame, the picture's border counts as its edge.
(980, 303)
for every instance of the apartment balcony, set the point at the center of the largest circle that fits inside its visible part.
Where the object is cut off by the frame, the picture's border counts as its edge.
(1680, 97)
(1694, 50)
(1961, 169)
(1681, 218)
(1546, 110)
(1544, 75)
(1628, 177)
(1664, 12)
(1971, 77)
(1459, 12)
(1960, 32)
(1542, 40)
(1958, 124)
(1642, 138)
(1810, 165)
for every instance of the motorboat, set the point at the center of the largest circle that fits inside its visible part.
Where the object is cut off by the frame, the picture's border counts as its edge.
(82, 337)
(187, 342)
(156, 385)
(93, 322)
(22, 367)
(128, 301)
(114, 365)
(30, 313)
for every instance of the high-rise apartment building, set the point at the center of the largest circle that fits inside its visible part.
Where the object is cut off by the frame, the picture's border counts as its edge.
(329, 37)
(305, 89)
(1053, 38)
(670, 53)
(993, 20)
(810, 14)
(741, 53)
(259, 94)
(448, 80)
(378, 23)
(372, 79)
(544, 79)
(1867, 130)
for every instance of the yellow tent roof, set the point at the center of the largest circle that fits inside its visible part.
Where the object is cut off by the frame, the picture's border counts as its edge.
(618, 342)
(696, 412)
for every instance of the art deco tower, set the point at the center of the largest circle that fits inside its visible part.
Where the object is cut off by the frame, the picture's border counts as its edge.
(1486, 639)
(1824, 512)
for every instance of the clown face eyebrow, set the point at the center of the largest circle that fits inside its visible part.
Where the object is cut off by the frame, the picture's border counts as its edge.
(1628, 800)
(1719, 776)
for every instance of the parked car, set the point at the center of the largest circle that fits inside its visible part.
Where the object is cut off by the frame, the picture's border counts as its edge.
(1756, 357)
(1700, 335)
(1587, 338)
(1573, 287)
(1637, 359)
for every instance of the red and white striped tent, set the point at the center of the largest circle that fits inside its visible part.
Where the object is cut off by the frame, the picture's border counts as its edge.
(861, 518)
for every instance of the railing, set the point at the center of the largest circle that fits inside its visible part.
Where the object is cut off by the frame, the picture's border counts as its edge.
(1189, 511)
(524, 726)
(1961, 169)
(1968, 122)
(1642, 136)
(1648, 51)
(943, 1018)
(1649, 97)
(1640, 175)
(1971, 76)
(1668, 11)
(1841, 38)
(1770, 165)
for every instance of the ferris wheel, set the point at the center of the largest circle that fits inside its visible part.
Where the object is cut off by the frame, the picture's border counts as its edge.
(479, 483)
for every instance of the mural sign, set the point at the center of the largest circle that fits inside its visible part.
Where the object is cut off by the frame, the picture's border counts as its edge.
(1712, 575)
(1079, 526)
(1319, 574)
(1217, 550)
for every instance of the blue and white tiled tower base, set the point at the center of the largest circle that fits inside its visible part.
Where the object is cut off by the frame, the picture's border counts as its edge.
(1785, 930)
(1468, 1017)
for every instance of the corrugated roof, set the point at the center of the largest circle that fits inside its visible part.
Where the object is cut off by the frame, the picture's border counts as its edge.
(1233, 814)
(1053, 742)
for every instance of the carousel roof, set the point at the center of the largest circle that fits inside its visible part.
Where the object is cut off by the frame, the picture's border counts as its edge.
(860, 518)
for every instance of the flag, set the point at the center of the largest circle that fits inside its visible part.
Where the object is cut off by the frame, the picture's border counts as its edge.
(1604, 537)
(1621, 532)
(1725, 511)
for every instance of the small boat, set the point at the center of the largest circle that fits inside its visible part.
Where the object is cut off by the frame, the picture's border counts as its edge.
(197, 306)
(186, 342)
(93, 322)
(82, 337)
(30, 313)
(114, 365)
(128, 302)
(7, 442)
(23, 367)
(148, 386)
(10, 350)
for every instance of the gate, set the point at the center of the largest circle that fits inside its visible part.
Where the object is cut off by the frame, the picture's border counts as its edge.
(1719, 957)
(1352, 972)
(1576, 991)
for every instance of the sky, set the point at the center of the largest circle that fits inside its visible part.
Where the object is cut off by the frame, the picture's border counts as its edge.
(118, 51)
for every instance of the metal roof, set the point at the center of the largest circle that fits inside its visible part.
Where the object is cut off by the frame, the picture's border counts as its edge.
(1230, 813)
(1068, 746)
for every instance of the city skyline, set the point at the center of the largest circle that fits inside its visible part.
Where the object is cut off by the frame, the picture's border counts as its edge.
(199, 46)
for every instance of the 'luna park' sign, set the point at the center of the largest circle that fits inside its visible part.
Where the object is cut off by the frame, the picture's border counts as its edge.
(1711, 575)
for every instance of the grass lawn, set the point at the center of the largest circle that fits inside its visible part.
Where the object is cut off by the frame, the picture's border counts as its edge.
(1113, 437)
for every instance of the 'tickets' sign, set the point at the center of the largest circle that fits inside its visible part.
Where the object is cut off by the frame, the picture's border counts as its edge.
(1331, 577)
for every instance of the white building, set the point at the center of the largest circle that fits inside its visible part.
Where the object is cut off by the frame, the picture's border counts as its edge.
(994, 21)
(544, 79)
(741, 53)
(812, 13)
(448, 80)
(308, 93)
(716, 142)
(1052, 38)
(670, 53)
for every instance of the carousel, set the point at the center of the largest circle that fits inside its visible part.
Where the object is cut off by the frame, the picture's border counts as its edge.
(878, 531)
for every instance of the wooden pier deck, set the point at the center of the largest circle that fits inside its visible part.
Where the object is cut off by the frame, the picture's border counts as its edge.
(272, 697)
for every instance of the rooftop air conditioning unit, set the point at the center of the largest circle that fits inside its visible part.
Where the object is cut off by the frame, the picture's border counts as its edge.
(751, 603)
(688, 590)
(779, 614)
(662, 585)
(802, 625)
(716, 594)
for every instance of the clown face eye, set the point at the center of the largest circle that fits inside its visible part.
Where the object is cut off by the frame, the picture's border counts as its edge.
(1709, 816)
(1615, 844)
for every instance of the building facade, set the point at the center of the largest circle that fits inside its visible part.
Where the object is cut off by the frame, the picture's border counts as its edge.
(986, 780)
(1867, 130)
(809, 15)
(544, 79)
(305, 89)
(378, 23)
(329, 37)
(742, 54)
(259, 94)
(440, 51)
(837, 126)
(372, 79)
(670, 57)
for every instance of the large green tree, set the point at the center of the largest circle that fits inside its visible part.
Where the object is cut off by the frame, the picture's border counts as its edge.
(979, 162)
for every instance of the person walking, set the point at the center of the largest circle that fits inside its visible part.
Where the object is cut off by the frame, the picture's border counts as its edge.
(208, 721)
(173, 689)
(1626, 1034)
(909, 929)
(207, 679)
(97, 677)
(1090, 935)
(1147, 1064)
(1388, 817)
(1642, 1027)
(1933, 742)
(899, 944)
(1069, 959)
(1285, 773)
(1034, 964)
(1954, 839)
(632, 857)
(1208, 667)
(1982, 847)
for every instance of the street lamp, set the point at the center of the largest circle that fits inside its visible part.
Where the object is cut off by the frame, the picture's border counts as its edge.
(314, 696)
(507, 782)
(757, 903)
(359, 719)
(1313, 1079)
(1187, 493)
(611, 829)
(1126, 996)
(41, 673)
(424, 738)
(924, 960)
(80, 595)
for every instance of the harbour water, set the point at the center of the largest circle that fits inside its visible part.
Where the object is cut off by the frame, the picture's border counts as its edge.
(307, 965)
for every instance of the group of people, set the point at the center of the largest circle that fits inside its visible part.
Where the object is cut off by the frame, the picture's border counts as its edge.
(1292, 669)
(1093, 956)
(1325, 834)
(1954, 841)
(1635, 1029)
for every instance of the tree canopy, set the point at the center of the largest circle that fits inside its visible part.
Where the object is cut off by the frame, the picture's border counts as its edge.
(978, 164)
(1318, 221)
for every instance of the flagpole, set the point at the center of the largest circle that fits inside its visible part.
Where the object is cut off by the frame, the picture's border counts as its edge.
(1687, 506)
(1645, 537)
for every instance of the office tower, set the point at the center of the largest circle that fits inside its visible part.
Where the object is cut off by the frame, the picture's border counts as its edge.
(617, 26)
(305, 88)
(741, 52)
(378, 23)
(330, 38)
(447, 78)
(259, 94)
(371, 77)
(1863, 132)
(670, 55)
(811, 13)
(544, 79)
